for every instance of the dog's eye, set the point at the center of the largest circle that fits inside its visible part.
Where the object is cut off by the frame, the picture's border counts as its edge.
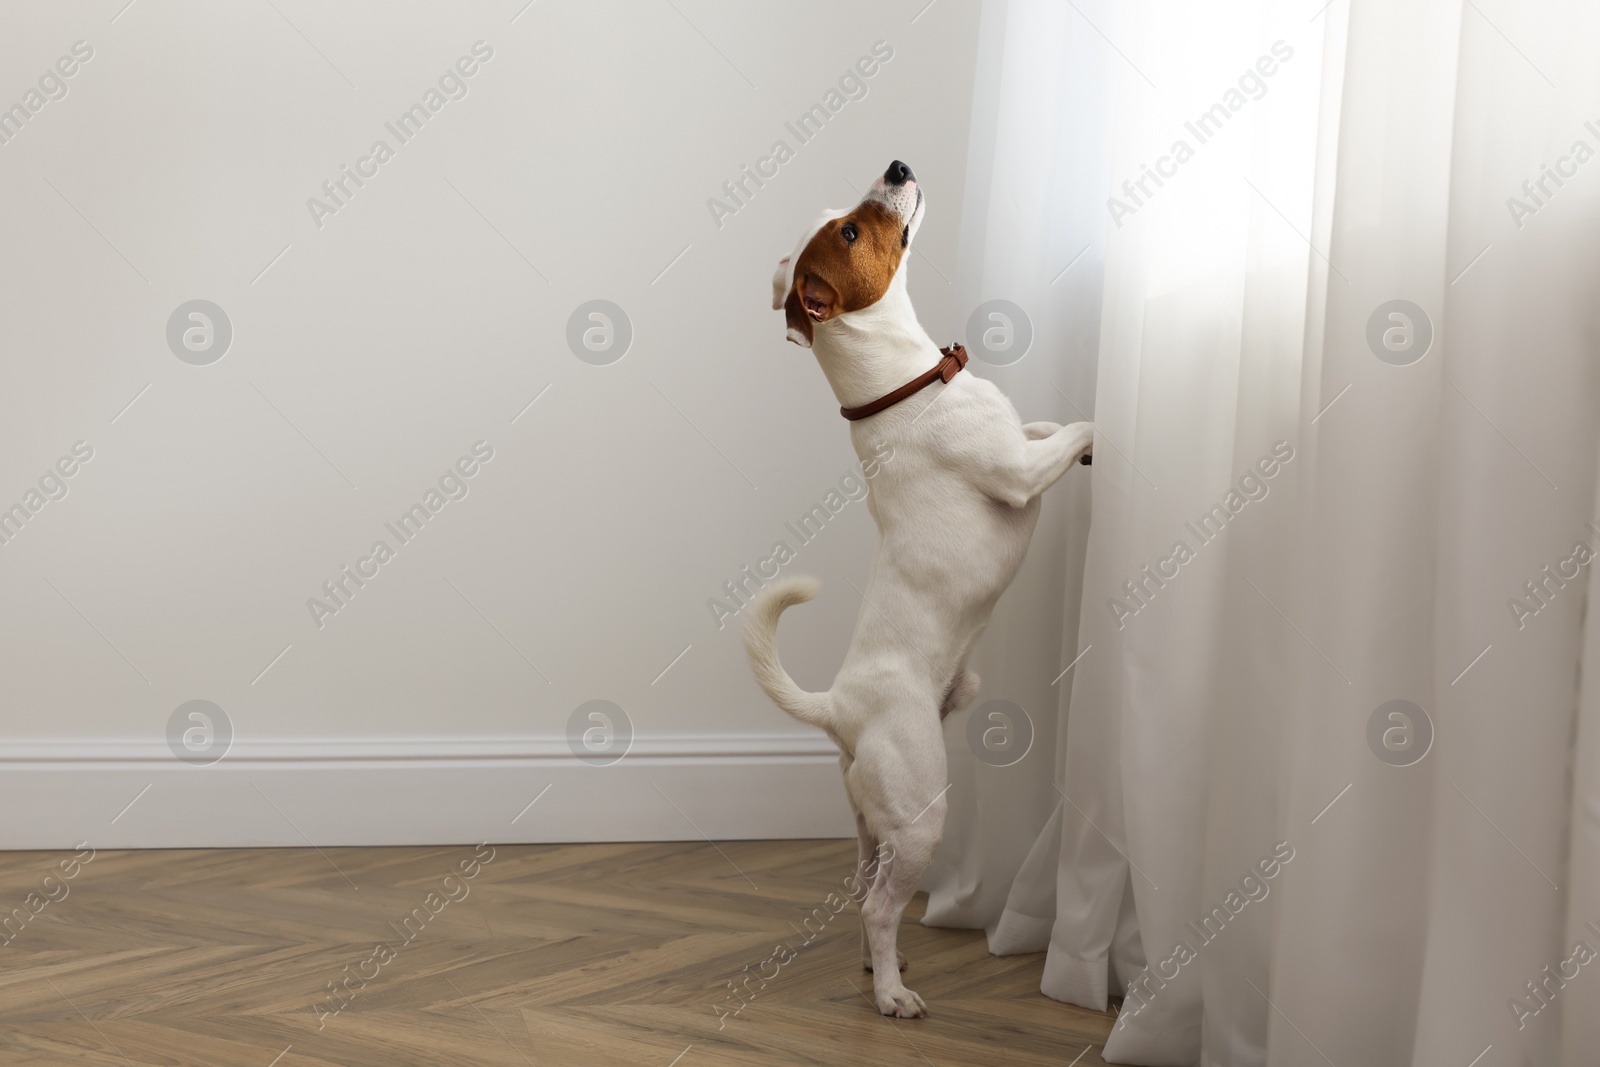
(849, 232)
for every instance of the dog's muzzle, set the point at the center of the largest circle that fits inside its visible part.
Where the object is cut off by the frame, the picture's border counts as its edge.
(897, 189)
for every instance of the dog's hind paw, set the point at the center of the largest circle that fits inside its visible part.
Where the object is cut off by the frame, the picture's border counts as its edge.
(901, 1003)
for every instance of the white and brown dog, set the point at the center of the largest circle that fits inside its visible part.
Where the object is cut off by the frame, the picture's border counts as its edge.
(955, 512)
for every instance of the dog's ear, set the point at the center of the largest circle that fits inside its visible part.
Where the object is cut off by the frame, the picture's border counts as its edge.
(780, 283)
(798, 321)
(786, 295)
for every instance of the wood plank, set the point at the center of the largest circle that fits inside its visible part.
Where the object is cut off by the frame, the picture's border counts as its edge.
(581, 955)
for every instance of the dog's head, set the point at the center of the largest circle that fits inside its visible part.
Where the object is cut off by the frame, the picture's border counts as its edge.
(847, 262)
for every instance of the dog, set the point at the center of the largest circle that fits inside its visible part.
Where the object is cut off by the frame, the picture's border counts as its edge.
(954, 510)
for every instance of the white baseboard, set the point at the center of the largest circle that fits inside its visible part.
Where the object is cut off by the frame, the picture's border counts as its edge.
(133, 794)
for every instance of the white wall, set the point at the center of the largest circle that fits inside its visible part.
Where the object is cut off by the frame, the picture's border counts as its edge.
(373, 352)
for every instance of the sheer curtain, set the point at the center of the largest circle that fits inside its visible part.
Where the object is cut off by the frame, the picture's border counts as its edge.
(1326, 785)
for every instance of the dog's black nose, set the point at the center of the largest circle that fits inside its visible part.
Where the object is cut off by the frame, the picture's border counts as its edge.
(898, 174)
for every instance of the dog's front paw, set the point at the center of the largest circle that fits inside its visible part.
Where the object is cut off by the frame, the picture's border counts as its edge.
(866, 962)
(1085, 443)
(901, 1003)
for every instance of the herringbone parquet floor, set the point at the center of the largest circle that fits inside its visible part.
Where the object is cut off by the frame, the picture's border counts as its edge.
(571, 955)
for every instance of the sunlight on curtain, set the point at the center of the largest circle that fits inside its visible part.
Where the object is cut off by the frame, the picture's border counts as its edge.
(1346, 402)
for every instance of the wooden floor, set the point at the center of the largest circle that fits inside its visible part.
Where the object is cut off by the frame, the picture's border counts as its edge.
(570, 955)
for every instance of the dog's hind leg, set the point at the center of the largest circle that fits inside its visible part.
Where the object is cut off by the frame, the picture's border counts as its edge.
(906, 853)
(963, 691)
(867, 862)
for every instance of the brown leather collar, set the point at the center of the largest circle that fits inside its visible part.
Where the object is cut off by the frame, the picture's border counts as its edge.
(955, 357)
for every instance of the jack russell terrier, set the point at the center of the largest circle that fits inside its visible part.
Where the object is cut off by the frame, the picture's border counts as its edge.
(955, 512)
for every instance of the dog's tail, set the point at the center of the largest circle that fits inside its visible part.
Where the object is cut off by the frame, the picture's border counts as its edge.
(760, 643)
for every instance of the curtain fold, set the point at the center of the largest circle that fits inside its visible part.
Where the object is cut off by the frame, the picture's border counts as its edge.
(1325, 784)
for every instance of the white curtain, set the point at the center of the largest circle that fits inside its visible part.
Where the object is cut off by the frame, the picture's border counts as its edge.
(1343, 354)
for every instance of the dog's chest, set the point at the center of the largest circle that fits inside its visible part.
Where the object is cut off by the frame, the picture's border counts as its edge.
(929, 501)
